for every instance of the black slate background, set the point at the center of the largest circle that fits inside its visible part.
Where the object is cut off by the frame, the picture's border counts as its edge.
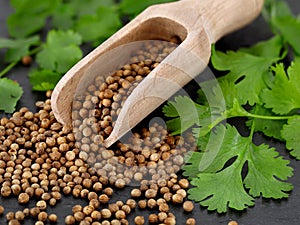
(265, 212)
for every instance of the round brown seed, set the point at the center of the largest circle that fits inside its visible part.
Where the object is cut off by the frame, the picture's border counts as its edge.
(139, 220)
(188, 206)
(190, 221)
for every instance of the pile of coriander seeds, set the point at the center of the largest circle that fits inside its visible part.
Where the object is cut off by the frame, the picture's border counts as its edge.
(41, 160)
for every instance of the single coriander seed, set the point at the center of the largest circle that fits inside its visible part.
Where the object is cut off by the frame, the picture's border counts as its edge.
(190, 221)
(139, 220)
(188, 206)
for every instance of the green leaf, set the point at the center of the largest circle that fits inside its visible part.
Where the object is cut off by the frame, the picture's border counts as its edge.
(61, 51)
(89, 7)
(284, 94)
(10, 94)
(43, 80)
(218, 95)
(18, 48)
(289, 28)
(266, 173)
(219, 183)
(276, 9)
(133, 7)
(283, 22)
(185, 113)
(267, 49)
(64, 17)
(98, 27)
(29, 16)
(270, 128)
(217, 191)
(246, 68)
(21, 25)
(34, 6)
(192, 164)
(291, 134)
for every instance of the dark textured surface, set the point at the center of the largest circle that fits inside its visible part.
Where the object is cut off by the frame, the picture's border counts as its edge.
(265, 212)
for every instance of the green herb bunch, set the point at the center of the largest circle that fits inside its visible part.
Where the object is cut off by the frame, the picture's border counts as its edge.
(54, 31)
(229, 170)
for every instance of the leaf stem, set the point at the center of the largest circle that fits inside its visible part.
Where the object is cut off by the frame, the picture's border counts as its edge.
(8, 68)
(268, 117)
(13, 64)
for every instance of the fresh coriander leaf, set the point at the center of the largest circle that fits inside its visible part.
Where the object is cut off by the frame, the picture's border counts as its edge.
(43, 80)
(266, 173)
(217, 191)
(96, 28)
(284, 94)
(269, 127)
(89, 7)
(201, 137)
(267, 49)
(246, 68)
(289, 28)
(276, 9)
(223, 144)
(64, 17)
(192, 164)
(220, 184)
(18, 48)
(290, 133)
(21, 25)
(29, 16)
(10, 94)
(34, 6)
(61, 51)
(185, 113)
(218, 95)
(133, 7)
(283, 22)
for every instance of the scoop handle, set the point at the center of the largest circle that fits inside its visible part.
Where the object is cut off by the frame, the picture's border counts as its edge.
(217, 17)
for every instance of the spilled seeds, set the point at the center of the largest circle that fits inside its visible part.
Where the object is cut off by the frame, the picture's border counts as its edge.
(41, 160)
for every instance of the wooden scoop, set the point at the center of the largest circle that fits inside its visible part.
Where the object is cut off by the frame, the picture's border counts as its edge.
(198, 23)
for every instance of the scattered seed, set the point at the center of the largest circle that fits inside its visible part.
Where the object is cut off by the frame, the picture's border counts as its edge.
(190, 221)
(139, 220)
(188, 206)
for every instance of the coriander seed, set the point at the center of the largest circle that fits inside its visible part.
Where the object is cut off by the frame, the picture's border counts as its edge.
(79, 216)
(188, 206)
(233, 223)
(177, 198)
(191, 221)
(1, 210)
(162, 216)
(19, 215)
(23, 198)
(10, 215)
(52, 218)
(164, 207)
(139, 220)
(153, 218)
(69, 220)
(120, 214)
(170, 221)
(42, 216)
(42, 205)
(14, 222)
(105, 213)
(96, 215)
(142, 204)
(39, 223)
(135, 193)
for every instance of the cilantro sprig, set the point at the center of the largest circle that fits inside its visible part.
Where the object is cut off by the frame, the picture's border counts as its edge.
(53, 32)
(229, 170)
